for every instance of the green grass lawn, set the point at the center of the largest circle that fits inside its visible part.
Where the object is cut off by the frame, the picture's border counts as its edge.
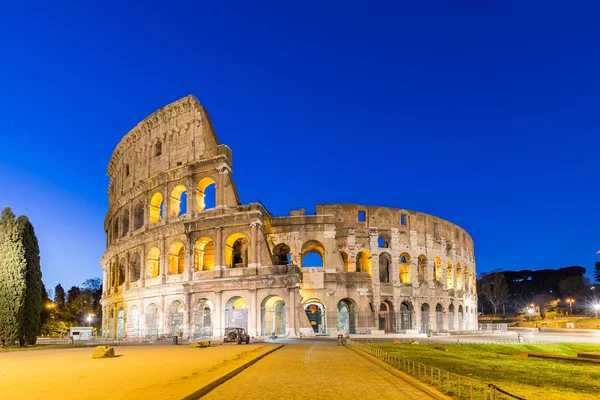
(526, 377)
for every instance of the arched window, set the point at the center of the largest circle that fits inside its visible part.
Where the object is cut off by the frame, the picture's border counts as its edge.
(138, 216)
(121, 278)
(157, 149)
(177, 201)
(176, 258)
(313, 254)
(156, 210)
(153, 263)
(459, 278)
(134, 267)
(344, 260)
(116, 229)
(125, 228)
(204, 254)
(449, 276)
(383, 241)
(281, 254)
(236, 251)
(363, 262)
(421, 265)
(206, 196)
(404, 268)
(437, 269)
(385, 261)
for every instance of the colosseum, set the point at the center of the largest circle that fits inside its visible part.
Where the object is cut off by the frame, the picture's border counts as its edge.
(184, 257)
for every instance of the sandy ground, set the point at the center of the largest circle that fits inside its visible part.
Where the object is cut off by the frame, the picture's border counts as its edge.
(315, 370)
(140, 372)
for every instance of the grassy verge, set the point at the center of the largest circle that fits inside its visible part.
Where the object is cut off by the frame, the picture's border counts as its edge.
(526, 377)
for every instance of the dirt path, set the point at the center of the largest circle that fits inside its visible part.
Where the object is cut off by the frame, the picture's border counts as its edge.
(315, 370)
(140, 372)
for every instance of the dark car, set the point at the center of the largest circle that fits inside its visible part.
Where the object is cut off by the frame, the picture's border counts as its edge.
(236, 335)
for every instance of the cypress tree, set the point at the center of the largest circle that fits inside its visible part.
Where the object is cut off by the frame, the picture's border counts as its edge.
(59, 296)
(31, 322)
(12, 278)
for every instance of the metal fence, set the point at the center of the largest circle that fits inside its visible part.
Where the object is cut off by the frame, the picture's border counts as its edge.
(454, 385)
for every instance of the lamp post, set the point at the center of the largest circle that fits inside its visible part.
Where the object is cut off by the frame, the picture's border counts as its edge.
(570, 301)
(530, 311)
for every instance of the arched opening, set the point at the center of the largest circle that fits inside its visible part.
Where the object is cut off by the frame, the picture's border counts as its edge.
(383, 241)
(281, 254)
(459, 277)
(421, 265)
(344, 256)
(404, 268)
(386, 317)
(135, 266)
(236, 251)
(315, 311)
(439, 318)
(236, 313)
(273, 316)
(176, 318)
(111, 324)
(467, 320)
(385, 261)
(451, 317)
(203, 319)
(363, 262)
(460, 318)
(313, 254)
(121, 278)
(152, 320)
(125, 223)
(437, 269)
(178, 201)
(204, 254)
(138, 216)
(467, 277)
(449, 276)
(116, 229)
(176, 258)
(121, 323)
(424, 318)
(347, 319)
(153, 263)
(405, 316)
(156, 208)
(206, 197)
(133, 323)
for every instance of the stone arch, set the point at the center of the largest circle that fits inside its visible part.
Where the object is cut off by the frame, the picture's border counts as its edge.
(236, 313)
(203, 318)
(344, 256)
(125, 223)
(121, 273)
(347, 316)
(405, 315)
(437, 269)
(451, 317)
(155, 211)
(384, 240)
(152, 320)
(116, 229)
(204, 254)
(439, 318)
(175, 318)
(385, 265)
(363, 262)
(236, 251)
(386, 317)
(449, 276)
(459, 277)
(176, 258)
(421, 267)
(273, 317)
(404, 268)
(135, 267)
(178, 201)
(281, 254)
(313, 254)
(204, 186)
(315, 312)
(138, 215)
(153, 263)
(121, 323)
(460, 317)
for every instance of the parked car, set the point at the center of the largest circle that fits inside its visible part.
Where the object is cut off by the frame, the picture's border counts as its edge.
(236, 335)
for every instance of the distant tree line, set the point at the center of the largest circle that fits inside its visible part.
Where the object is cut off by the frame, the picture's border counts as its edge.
(512, 291)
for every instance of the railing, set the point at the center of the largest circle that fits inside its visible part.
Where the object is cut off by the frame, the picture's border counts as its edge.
(454, 385)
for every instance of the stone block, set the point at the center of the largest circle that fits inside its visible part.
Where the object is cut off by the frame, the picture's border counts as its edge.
(103, 352)
(200, 344)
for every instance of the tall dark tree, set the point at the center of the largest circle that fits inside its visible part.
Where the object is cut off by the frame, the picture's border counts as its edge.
(571, 285)
(12, 278)
(493, 287)
(73, 294)
(31, 323)
(59, 296)
(597, 271)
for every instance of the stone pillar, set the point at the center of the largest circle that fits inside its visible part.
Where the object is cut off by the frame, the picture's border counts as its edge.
(375, 268)
(127, 272)
(429, 273)
(455, 317)
(253, 315)
(187, 311)
(416, 316)
(332, 254)
(444, 277)
(115, 320)
(290, 329)
(414, 273)
(219, 249)
(189, 258)
(432, 317)
(164, 260)
(445, 326)
(143, 267)
(161, 316)
(191, 199)
(166, 206)
(219, 314)
(376, 305)
(252, 246)
(131, 218)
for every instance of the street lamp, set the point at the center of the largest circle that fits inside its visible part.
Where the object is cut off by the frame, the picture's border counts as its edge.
(570, 301)
(89, 319)
(530, 311)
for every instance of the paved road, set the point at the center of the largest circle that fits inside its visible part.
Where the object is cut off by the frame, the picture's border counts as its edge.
(315, 370)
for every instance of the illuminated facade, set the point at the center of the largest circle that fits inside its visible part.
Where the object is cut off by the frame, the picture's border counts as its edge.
(184, 257)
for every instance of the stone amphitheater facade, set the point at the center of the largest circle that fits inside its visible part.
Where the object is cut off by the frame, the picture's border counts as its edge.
(184, 257)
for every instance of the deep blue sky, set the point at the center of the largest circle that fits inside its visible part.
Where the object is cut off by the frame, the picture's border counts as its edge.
(483, 113)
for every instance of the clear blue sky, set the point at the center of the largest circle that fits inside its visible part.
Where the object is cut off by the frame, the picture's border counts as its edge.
(483, 113)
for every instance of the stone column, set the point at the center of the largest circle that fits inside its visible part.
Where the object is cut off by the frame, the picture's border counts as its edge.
(455, 317)
(187, 311)
(115, 320)
(375, 268)
(131, 218)
(164, 261)
(191, 200)
(416, 321)
(414, 273)
(143, 271)
(253, 315)
(252, 245)
(219, 314)
(166, 206)
(432, 317)
(189, 259)
(332, 253)
(429, 274)
(161, 316)
(219, 249)
(127, 272)
(445, 319)
(291, 312)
